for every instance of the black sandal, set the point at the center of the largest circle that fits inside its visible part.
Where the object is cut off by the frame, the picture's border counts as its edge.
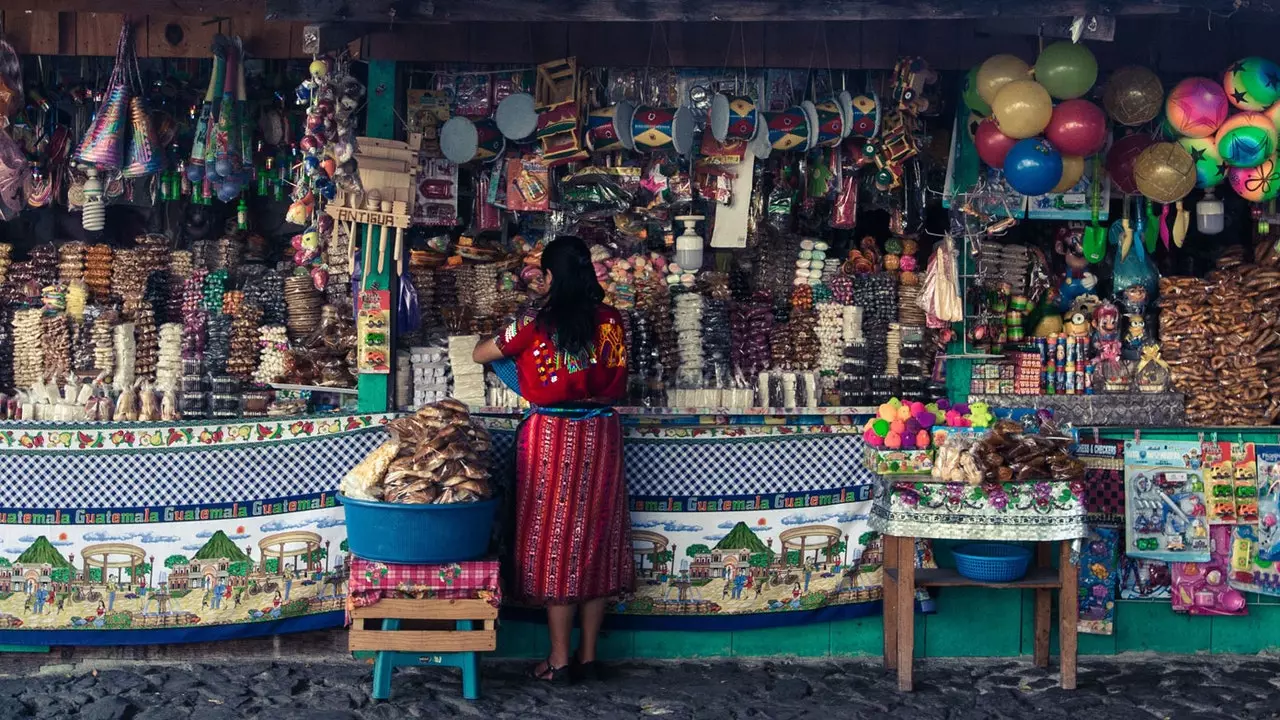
(549, 674)
(584, 671)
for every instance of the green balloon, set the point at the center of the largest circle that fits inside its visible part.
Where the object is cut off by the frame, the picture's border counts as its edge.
(971, 96)
(1210, 169)
(1066, 70)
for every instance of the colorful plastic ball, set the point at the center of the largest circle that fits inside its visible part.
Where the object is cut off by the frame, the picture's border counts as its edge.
(1033, 167)
(1022, 109)
(893, 441)
(1196, 107)
(1273, 112)
(1246, 139)
(1210, 168)
(1165, 172)
(1121, 157)
(1133, 95)
(1066, 69)
(1072, 171)
(1077, 127)
(996, 72)
(992, 145)
(1256, 184)
(972, 99)
(1252, 83)
(880, 427)
(872, 439)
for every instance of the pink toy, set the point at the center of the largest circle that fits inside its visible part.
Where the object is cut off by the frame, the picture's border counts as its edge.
(954, 418)
(897, 426)
(872, 439)
(893, 440)
(1201, 588)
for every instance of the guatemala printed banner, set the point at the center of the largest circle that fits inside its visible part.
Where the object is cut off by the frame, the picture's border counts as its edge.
(159, 533)
(738, 526)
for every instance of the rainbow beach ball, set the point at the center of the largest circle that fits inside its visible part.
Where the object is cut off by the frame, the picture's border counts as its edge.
(1246, 139)
(1210, 168)
(1257, 184)
(1196, 107)
(1252, 83)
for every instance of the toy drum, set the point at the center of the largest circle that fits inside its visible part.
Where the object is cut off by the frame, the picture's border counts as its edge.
(830, 123)
(462, 140)
(733, 118)
(864, 115)
(516, 116)
(489, 140)
(604, 128)
(789, 129)
(655, 128)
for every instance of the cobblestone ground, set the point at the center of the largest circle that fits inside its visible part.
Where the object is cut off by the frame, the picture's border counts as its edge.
(1114, 689)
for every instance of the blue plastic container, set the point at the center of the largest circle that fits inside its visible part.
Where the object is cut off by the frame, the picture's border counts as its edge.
(992, 562)
(404, 533)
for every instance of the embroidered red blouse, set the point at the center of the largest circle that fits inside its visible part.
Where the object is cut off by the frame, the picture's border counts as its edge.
(549, 376)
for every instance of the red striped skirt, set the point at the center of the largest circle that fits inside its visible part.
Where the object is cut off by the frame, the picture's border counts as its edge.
(573, 525)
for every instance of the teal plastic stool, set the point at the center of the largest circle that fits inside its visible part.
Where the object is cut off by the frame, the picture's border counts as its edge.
(376, 633)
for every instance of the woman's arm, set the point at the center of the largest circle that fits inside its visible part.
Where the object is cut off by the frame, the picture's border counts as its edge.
(486, 352)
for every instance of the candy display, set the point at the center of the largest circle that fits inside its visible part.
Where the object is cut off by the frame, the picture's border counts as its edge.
(437, 455)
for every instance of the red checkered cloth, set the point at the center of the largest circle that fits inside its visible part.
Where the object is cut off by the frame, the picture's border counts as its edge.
(372, 581)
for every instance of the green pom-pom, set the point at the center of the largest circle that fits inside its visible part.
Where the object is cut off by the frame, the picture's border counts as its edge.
(880, 427)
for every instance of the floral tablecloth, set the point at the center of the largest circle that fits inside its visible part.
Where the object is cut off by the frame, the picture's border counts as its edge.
(1041, 510)
(372, 581)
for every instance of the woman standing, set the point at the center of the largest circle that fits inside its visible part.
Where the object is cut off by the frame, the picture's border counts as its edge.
(573, 544)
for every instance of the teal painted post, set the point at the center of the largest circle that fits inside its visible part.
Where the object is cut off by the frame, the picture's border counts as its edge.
(469, 662)
(375, 389)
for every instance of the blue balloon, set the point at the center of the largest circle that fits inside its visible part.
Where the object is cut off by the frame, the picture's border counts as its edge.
(1033, 166)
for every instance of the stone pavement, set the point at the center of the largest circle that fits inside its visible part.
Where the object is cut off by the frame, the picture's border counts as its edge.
(1189, 688)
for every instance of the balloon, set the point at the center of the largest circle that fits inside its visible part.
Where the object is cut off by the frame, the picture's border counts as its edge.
(1252, 83)
(1273, 112)
(1196, 107)
(1022, 108)
(998, 71)
(1066, 69)
(1133, 95)
(1257, 184)
(971, 125)
(1246, 139)
(1120, 158)
(1210, 169)
(971, 96)
(1077, 127)
(1165, 172)
(1072, 171)
(1033, 167)
(992, 144)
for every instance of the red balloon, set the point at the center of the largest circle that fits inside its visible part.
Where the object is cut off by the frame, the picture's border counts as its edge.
(992, 144)
(1077, 127)
(1121, 157)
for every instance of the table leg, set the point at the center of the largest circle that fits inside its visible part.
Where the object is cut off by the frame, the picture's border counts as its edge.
(906, 597)
(470, 665)
(382, 669)
(1068, 614)
(1044, 609)
(890, 600)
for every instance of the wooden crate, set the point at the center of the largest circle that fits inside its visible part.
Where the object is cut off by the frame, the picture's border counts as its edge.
(368, 633)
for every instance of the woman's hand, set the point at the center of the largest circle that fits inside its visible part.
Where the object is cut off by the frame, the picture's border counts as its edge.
(486, 352)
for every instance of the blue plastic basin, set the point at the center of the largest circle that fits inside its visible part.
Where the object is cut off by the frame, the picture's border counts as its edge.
(406, 533)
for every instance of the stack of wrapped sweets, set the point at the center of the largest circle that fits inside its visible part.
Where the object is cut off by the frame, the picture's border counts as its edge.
(6, 350)
(82, 341)
(192, 400)
(153, 253)
(28, 350)
(217, 343)
(877, 296)
(231, 301)
(179, 270)
(687, 311)
(126, 354)
(304, 304)
(893, 349)
(830, 331)
(55, 336)
(716, 345)
(156, 295)
(243, 359)
(430, 374)
(169, 360)
(812, 259)
(855, 381)
(77, 299)
(127, 280)
(215, 287)
(422, 277)
(227, 253)
(750, 323)
(147, 341)
(6, 258)
(98, 260)
(274, 362)
(468, 376)
(70, 262)
(104, 353)
(44, 263)
(804, 340)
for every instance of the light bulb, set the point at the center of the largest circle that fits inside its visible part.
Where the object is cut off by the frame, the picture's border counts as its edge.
(1210, 219)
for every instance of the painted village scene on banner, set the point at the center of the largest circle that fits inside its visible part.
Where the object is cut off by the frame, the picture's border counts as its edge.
(770, 564)
(114, 579)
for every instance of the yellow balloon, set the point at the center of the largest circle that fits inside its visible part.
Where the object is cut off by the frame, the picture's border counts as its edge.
(1072, 171)
(1022, 109)
(998, 71)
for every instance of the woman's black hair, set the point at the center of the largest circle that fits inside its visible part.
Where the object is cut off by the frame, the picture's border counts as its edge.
(570, 309)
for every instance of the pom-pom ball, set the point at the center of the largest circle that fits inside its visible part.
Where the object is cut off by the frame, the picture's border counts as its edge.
(893, 441)
(872, 439)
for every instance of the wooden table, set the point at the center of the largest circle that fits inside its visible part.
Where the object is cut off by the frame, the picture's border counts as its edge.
(1041, 511)
(451, 633)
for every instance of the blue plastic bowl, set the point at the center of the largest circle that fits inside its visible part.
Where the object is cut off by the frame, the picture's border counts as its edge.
(992, 562)
(402, 533)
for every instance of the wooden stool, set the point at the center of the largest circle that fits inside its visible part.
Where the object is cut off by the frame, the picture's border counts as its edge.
(460, 630)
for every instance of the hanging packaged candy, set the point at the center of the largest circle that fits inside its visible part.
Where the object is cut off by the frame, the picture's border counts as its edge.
(1165, 511)
(528, 186)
